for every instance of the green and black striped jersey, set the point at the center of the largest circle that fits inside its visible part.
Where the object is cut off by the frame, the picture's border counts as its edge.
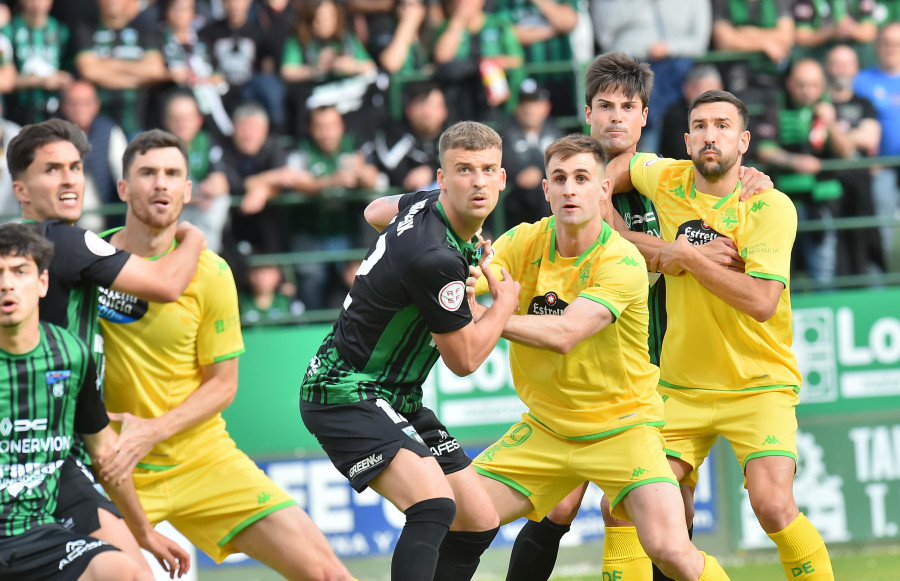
(46, 396)
(640, 216)
(411, 284)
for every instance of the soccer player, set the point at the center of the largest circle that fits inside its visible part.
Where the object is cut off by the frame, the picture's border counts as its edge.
(47, 395)
(362, 393)
(746, 385)
(46, 164)
(617, 91)
(579, 358)
(172, 369)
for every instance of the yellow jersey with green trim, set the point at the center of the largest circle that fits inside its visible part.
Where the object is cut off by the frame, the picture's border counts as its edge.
(155, 353)
(710, 344)
(606, 384)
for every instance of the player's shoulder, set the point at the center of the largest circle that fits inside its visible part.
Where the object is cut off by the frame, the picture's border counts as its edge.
(771, 204)
(55, 336)
(528, 231)
(620, 252)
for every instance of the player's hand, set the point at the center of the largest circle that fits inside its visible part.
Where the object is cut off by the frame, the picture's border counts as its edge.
(505, 292)
(171, 557)
(753, 182)
(724, 252)
(670, 258)
(477, 309)
(137, 436)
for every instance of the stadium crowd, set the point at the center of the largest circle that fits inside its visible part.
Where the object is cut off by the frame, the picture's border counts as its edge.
(339, 100)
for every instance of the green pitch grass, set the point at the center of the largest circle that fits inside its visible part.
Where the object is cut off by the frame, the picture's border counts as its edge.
(878, 563)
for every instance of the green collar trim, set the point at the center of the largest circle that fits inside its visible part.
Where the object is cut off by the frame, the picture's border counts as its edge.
(108, 233)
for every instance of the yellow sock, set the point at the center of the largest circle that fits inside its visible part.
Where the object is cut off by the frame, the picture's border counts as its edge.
(712, 571)
(624, 558)
(802, 552)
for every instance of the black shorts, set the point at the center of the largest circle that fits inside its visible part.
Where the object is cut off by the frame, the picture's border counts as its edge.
(362, 438)
(79, 499)
(48, 552)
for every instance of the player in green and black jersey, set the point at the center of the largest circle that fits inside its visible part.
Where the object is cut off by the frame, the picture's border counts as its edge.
(48, 393)
(362, 393)
(45, 161)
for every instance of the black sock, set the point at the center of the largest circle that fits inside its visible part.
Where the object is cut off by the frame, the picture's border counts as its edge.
(416, 553)
(659, 575)
(460, 554)
(534, 552)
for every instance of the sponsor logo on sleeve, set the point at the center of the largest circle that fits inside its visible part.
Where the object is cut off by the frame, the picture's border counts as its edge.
(452, 295)
(98, 245)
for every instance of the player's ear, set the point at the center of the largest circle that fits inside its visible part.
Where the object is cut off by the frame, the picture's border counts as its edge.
(188, 191)
(687, 143)
(20, 190)
(44, 280)
(744, 143)
(122, 189)
(546, 185)
(587, 114)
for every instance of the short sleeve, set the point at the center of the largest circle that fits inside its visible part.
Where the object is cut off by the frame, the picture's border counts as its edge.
(219, 334)
(645, 169)
(81, 255)
(436, 281)
(293, 53)
(771, 228)
(620, 283)
(90, 413)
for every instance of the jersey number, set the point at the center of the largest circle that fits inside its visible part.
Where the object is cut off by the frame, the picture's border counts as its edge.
(365, 267)
(391, 412)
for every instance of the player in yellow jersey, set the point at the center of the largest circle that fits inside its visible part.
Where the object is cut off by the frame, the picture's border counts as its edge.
(171, 370)
(581, 364)
(745, 385)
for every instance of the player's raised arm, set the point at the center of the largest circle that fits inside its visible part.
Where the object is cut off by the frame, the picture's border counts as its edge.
(380, 212)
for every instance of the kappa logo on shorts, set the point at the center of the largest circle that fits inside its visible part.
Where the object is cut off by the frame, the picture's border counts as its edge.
(452, 295)
(76, 549)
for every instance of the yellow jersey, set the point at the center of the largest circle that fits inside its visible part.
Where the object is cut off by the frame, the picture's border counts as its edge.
(606, 384)
(709, 344)
(155, 352)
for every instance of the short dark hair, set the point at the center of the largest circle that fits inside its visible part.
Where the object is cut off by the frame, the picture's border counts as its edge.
(20, 153)
(26, 240)
(469, 136)
(717, 96)
(174, 95)
(147, 140)
(616, 71)
(574, 144)
(418, 92)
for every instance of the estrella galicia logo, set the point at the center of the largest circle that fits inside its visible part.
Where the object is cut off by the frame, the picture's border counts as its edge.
(549, 304)
(698, 232)
(56, 380)
(117, 307)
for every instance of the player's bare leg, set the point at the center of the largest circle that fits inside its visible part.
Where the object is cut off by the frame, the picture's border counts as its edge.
(770, 484)
(114, 531)
(417, 486)
(537, 544)
(289, 542)
(473, 529)
(115, 566)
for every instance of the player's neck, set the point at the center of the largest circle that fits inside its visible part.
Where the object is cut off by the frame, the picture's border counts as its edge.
(143, 240)
(719, 188)
(35, 21)
(22, 338)
(572, 241)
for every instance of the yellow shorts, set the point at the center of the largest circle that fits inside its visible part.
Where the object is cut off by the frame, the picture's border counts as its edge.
(757, 423)
(546, 467)
(210, 499)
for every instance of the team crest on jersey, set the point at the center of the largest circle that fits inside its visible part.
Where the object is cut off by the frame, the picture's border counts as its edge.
(98, 245)
(452, 295)
(56, 380)
(549, 304)
(698, 232)
(118, 307)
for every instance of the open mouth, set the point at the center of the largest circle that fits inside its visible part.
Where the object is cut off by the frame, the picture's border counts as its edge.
(7, 305)
(69, 198)
(161, 203)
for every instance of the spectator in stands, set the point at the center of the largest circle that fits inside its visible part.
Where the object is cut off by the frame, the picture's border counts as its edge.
(9, 205)
(41, 51)
(478, 55)
(408, 154)
(881, 85)
(248, 159)
(325, 63)
(324, 165)
(276, 19)
(208, 208)
(858, 250)
(264, 302)
(524, 141)
(123, 61)
(807, 133)
(821, 24)
(701, 78)
(7, 66)
(765, 26)
(248, 60)
(103, 164)
(402, 43)
(668, 34)
(543, 27)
